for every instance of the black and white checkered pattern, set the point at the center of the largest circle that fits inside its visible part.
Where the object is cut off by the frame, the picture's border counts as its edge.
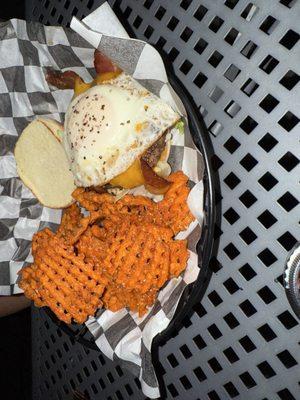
(26, 50)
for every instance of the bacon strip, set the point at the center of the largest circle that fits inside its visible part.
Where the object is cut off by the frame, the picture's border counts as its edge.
(103, 64)
(153, 181)
(61, 80)
(66, 80)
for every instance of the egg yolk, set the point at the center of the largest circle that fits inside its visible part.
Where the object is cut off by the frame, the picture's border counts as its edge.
(81, 86)
(106, 76)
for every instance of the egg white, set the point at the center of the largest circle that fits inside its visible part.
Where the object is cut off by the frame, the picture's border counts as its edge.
(109, 126)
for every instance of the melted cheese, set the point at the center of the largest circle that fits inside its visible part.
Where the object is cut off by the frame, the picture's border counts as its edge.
(130, 178)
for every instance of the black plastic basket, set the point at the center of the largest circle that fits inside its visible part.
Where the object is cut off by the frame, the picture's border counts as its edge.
(195, 291)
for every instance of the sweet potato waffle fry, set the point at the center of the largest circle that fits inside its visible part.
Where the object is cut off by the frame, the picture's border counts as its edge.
(63, 281)
(73, 224)
(119, 256)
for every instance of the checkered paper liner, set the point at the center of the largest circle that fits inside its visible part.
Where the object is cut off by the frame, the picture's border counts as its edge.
(26, 50)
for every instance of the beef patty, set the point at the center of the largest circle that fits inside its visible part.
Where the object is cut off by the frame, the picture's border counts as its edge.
(152, 155)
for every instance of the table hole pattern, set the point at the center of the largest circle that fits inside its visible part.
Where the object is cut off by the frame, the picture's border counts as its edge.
(239, 61)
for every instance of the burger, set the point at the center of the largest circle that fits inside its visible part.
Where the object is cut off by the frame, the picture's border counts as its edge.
(116, 134)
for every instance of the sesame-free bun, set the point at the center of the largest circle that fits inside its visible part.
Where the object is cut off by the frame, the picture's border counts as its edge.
(43, 166)
(55, 127)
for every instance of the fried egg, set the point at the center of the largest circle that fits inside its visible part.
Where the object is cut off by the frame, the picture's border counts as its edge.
(109, 126)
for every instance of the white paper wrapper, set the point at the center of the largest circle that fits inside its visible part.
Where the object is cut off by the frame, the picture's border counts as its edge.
(25, 50)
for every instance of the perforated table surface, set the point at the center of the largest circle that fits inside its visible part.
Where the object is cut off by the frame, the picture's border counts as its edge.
(240, 62)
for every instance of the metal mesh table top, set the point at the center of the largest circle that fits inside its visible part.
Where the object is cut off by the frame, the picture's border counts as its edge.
(240, 62)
